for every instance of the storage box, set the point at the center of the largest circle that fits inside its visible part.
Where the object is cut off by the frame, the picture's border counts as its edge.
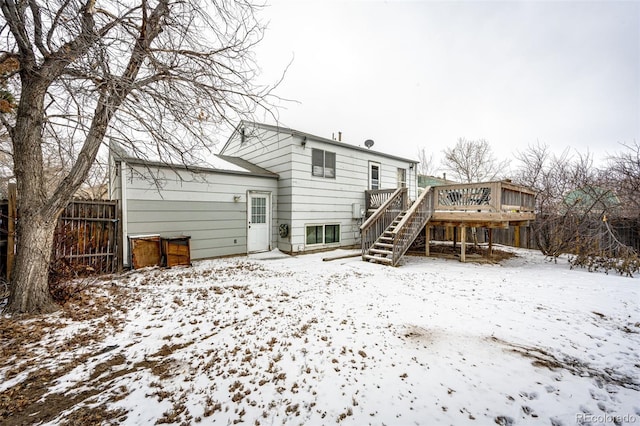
(176, 251)
(145, 250)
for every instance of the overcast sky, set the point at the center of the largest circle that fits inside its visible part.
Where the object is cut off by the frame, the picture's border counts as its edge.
(424, 73)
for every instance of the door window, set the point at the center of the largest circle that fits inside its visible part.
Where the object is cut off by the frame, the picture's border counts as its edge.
(258, 210)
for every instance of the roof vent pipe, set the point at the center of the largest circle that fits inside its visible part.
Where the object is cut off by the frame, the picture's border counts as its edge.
(339, 136)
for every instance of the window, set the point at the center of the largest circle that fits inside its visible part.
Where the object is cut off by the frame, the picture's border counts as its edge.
(314, 235)
(374, 175)
(323, 234)
(402, 178)
(259, 210)
(331, 234)
(323, 163)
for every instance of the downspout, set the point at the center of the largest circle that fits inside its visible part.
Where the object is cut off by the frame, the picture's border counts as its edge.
(415, 180)
(412, 181)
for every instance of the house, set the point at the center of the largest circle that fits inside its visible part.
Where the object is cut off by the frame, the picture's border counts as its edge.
(321, 189)
(425, 181)
(592, 200)
(269, 187)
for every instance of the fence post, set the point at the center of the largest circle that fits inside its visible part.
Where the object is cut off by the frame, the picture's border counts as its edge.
(119, 237)
(11, 227)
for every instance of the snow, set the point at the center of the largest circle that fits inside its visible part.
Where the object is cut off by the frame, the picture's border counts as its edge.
(222, 164)
(274, 339)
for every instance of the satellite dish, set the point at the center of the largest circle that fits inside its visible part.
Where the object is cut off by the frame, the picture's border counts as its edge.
(368, 143)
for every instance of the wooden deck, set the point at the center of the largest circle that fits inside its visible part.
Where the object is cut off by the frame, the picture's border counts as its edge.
(497, 204)
(393, 224)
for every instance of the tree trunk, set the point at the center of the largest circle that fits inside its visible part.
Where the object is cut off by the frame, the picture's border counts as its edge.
(29, 291)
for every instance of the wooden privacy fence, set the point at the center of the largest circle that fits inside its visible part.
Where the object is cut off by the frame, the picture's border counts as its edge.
(86, 237)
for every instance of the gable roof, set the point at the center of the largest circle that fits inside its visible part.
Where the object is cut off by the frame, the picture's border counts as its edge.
(294, 132)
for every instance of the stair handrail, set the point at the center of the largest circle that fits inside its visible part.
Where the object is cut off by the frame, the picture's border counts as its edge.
(375, 225)
(412, 223)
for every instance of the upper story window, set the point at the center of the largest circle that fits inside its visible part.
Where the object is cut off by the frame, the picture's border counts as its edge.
(323, 163)
(374, 175)
(402, 178)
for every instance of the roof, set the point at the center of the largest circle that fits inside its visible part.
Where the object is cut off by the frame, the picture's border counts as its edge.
(216, 164)
(425, 181)
(294, 132)
(591, 196)
(245, 165)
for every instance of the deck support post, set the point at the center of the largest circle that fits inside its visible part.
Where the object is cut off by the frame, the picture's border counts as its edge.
(427, 237)
(455, 236)
(463, 245)
(490, 249)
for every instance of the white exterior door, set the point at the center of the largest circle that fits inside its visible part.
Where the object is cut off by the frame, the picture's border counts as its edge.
(258, 222)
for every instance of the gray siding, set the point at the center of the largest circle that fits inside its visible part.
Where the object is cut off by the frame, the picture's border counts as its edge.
(304, 199)
(200, 205)
(272, 151)
(114, 180)
(215, 228)
(319, 200)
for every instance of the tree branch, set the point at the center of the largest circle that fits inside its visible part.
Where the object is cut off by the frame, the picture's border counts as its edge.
(17, 26)
(37, 27)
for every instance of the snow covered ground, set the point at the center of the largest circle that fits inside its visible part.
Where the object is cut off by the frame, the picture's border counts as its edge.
(272, 339)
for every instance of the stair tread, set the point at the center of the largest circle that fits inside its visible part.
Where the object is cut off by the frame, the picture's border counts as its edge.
(377, 259)
(380, 251)
(379, 244)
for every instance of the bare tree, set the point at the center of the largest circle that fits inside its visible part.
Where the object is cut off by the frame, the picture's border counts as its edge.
(157, 75)
(96, 185)
(624, 173)
(473, 161)
(426, 165)
(574, 200)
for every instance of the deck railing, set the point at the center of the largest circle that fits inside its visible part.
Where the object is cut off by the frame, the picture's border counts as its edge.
(516, 198)
(412, 224)
(484, 196)
(375, 225)
(374, 198)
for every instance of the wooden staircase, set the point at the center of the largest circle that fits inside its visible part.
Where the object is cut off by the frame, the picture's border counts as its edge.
(392, 228)
(382, 249)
